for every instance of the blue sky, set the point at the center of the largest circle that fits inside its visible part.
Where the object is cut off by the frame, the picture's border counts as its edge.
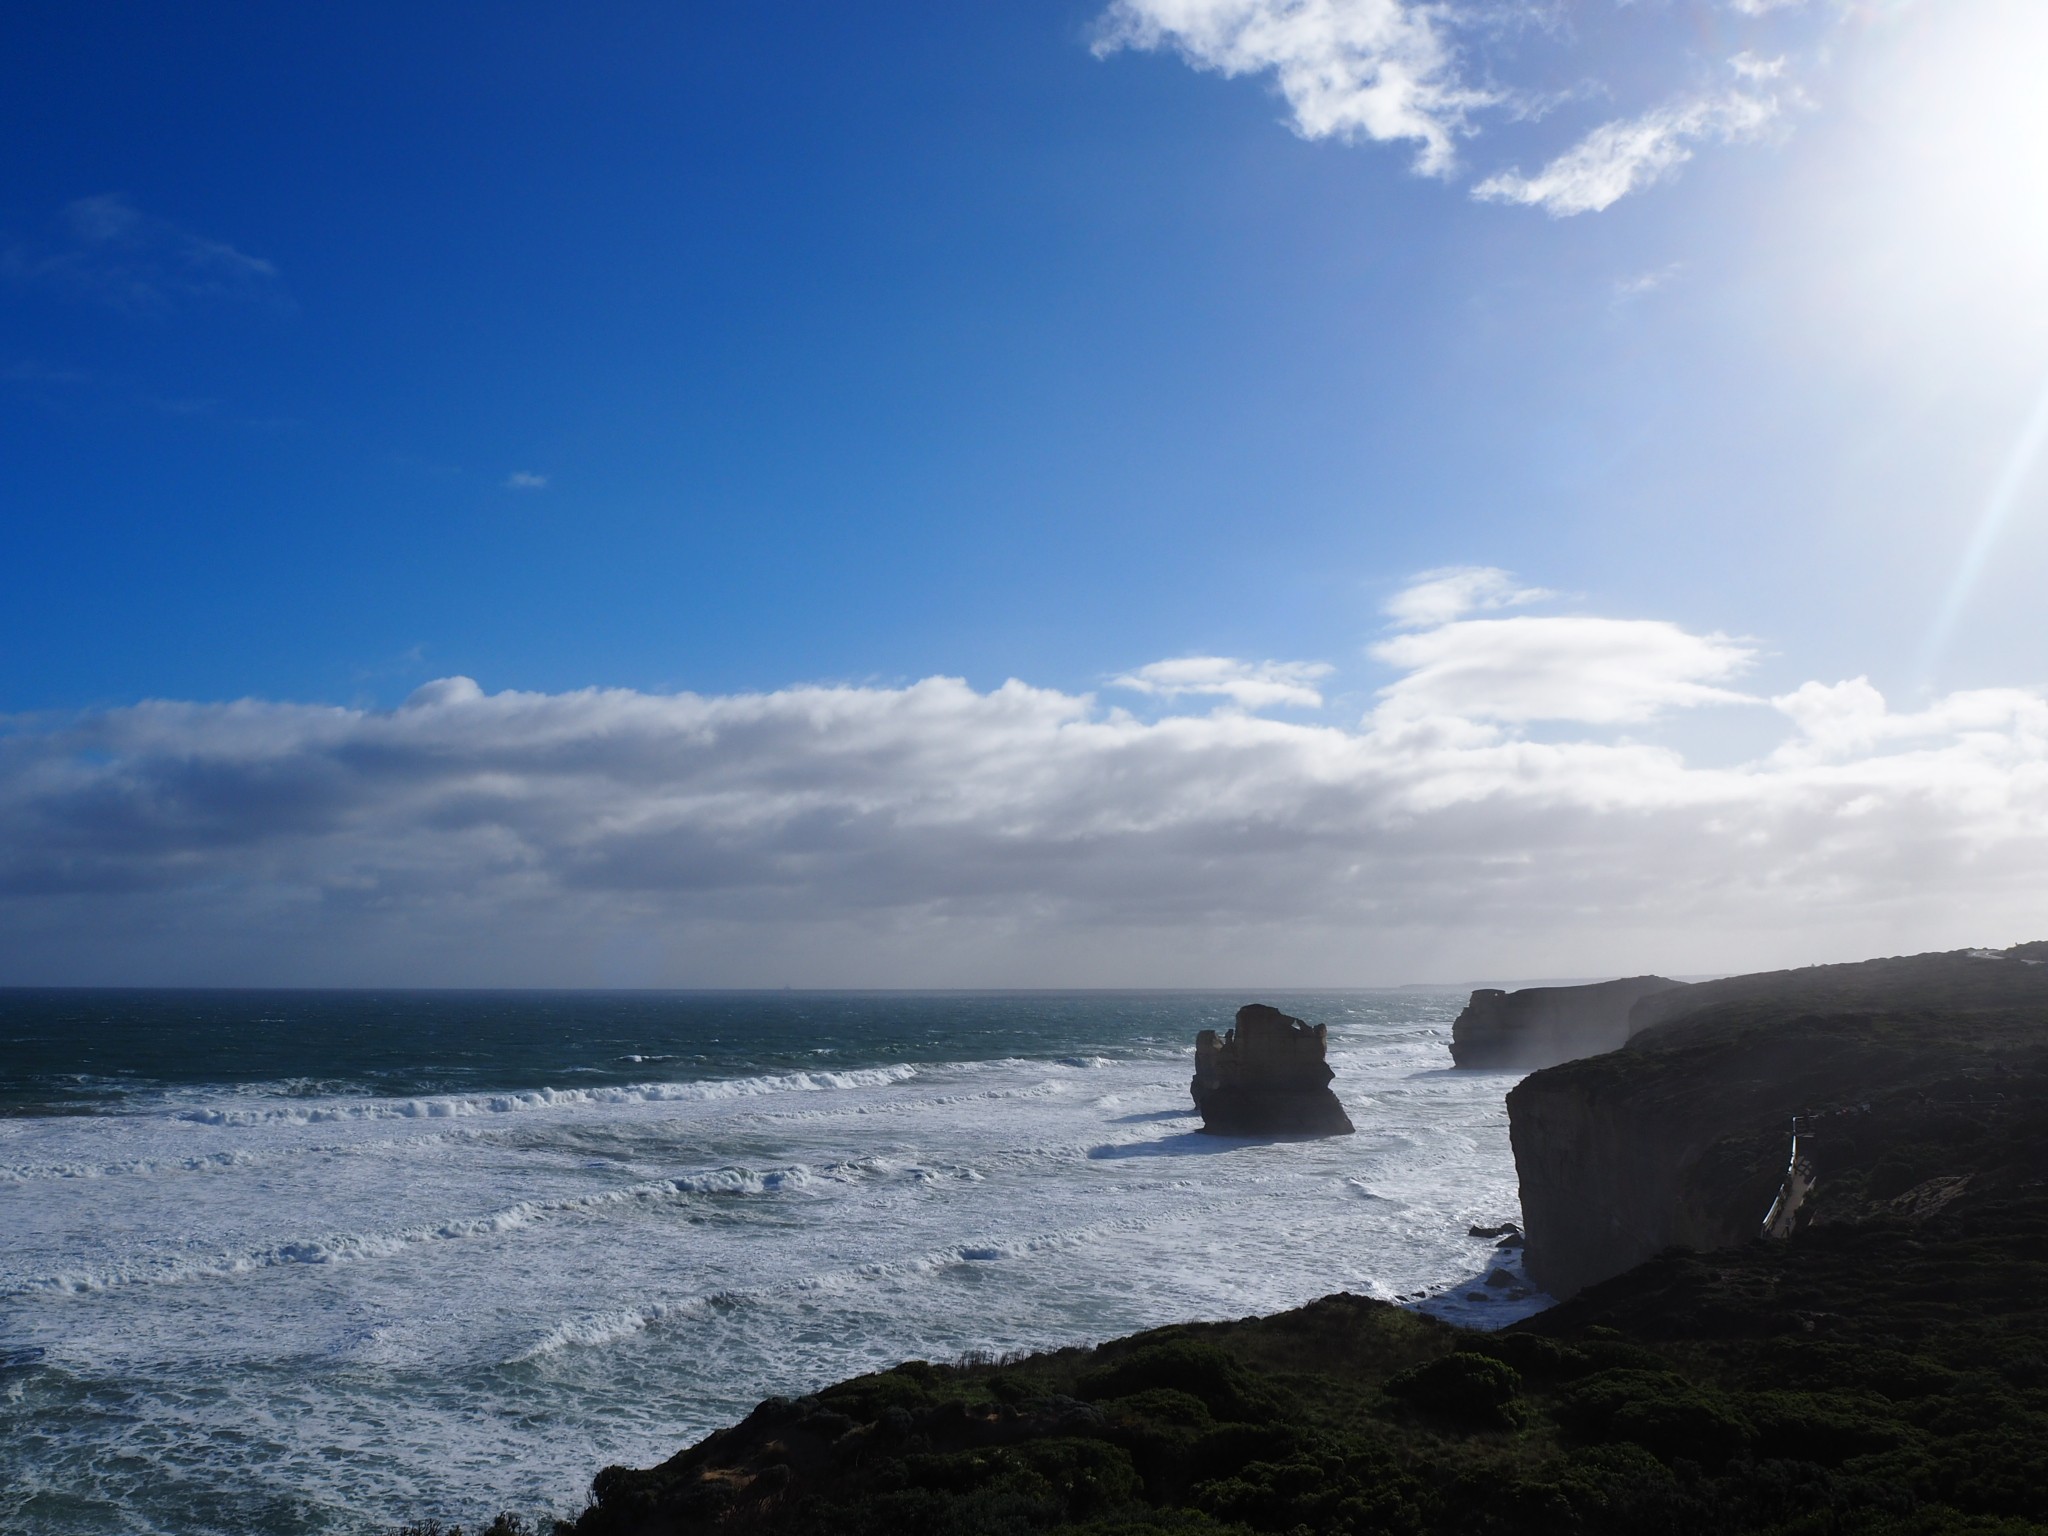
(777, 358)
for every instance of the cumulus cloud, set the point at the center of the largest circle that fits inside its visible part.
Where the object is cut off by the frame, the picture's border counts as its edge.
(1840, 722)
(525, 480)
(1621, 157)
(1591, 670)
(1435, 73)
(1486, 818)
(1350, 69)
(1251, 685)
(1437, 597)
(108, 249)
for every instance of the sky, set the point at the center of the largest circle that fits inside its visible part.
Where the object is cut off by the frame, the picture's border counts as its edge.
(1118, 493)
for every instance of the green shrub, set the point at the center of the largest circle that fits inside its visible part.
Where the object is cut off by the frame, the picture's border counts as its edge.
(1471, 1390)
(1658, 1410)
(1161, 1406)
(1200, 1370)
(1319, 1494)
(1537, 1358)
(1824, 1427)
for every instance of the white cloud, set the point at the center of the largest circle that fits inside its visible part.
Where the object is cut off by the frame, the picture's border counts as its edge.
(1594, 671)
(1840, 722)
(1374, 69)
(1750, 67)
(1249, 684)
(525, 480)
(937, 834)
(1646, 282)
(1621, 157)
(1428, 72)
(1437, 597)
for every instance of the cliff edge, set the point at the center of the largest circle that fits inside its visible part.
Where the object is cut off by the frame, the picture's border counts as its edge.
(1267, 1077)
(1542, 1026)
(1683, 1137)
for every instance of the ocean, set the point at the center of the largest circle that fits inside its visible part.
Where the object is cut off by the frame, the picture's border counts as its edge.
(330, 1262)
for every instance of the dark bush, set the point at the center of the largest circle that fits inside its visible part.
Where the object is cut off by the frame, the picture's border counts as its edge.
(1203, 1371)
(1658, 1410)
(1827, 1428)
(1317, 1494)
(1472, 1390)
(910, 1385)
(1537, 1358)
(1161, 1405)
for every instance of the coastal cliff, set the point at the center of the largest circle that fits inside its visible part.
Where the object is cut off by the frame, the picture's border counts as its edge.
(1682, 1137)
(1267, 1077)
(1542, 1026)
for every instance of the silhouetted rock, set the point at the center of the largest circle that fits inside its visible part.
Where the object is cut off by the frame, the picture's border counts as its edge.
(1542, 1026)
(1267, 1077)
(1683, 1138)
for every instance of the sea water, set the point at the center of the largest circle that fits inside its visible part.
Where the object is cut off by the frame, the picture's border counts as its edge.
(305, 1262)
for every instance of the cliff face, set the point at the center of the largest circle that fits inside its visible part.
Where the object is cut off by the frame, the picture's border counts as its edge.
(1681, 1137)
(1542, 1026)
(1267, 1077)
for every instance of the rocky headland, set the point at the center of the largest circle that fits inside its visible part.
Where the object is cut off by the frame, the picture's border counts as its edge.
(1684, 1136)
(1542, 1026)
(1267, 1076)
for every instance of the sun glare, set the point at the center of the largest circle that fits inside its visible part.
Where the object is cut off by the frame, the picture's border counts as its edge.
(1952, 191)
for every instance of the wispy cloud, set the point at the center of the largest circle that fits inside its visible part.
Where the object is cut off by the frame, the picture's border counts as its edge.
(525, 480)
(1625, 156)
(1248, 684)
(1641, 283)
(1426, 73)
(106, 248)
(1382, 70)
(1484, 815)
(1452, 591)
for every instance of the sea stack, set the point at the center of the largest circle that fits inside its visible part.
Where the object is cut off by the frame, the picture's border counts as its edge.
(1267, 1077)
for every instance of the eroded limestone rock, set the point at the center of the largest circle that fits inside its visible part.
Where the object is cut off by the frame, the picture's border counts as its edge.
(1267, 1077)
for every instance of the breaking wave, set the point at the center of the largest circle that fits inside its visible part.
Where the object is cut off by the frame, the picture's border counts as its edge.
(449, 1108)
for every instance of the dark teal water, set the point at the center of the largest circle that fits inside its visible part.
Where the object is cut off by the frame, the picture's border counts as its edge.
(85, 1052)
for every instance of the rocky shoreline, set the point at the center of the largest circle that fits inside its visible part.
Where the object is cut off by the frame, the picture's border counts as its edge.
(1878, 1365)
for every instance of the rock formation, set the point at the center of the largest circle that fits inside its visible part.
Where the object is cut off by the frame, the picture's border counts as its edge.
(1267, 1077)
(1542, 1026)
(1681, 1138)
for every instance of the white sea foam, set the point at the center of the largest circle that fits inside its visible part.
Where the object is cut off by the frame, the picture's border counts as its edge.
(546, 1098)
(354, 1247)
(516, 1289)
